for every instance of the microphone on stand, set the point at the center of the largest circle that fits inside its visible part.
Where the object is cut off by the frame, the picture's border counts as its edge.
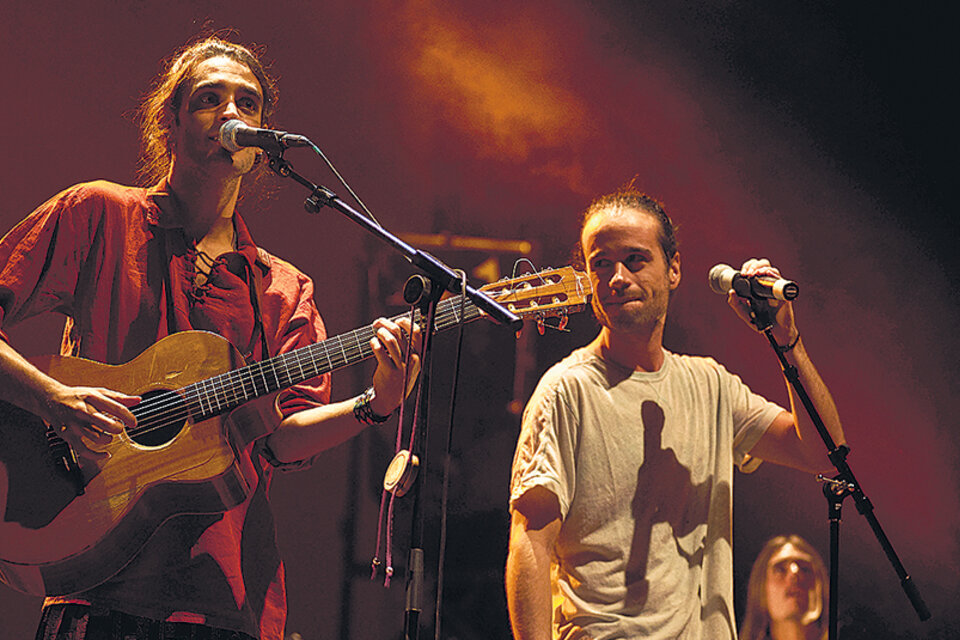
(723, 277)
(235, 135)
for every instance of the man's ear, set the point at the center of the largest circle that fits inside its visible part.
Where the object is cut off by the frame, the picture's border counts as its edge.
(673, 271)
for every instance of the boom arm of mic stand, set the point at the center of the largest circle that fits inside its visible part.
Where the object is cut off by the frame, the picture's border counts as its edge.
(838, 456)
(440, 273)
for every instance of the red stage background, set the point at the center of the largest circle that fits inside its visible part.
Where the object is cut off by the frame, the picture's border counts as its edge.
(817, 136)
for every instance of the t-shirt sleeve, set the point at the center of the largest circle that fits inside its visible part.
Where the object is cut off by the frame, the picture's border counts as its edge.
(752, 416)
(545, 450)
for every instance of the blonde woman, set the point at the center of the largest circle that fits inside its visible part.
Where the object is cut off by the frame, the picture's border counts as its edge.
(787, 594)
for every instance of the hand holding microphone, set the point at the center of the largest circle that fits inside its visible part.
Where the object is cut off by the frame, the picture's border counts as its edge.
(723, 278)
(758, 294)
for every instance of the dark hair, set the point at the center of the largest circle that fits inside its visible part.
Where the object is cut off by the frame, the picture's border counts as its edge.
(756, 618)
(160, 106)
(629, 197)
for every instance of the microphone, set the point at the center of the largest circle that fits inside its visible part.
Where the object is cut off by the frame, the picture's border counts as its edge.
(234, 135)
(723, 277)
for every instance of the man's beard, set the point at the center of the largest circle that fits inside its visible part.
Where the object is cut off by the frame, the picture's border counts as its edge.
(632, 319)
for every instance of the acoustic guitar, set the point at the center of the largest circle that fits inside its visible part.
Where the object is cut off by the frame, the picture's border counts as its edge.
(69, 523)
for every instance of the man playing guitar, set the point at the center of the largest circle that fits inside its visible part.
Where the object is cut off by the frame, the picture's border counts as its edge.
(129, 266)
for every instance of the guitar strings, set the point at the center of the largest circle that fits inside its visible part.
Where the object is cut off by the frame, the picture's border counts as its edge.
(159, 407)
(155, 413)
(209, 397)
(189, 399)
(226, 389)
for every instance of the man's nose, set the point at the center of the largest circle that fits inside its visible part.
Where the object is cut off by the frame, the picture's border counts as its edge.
(230, 111)
(618, 278)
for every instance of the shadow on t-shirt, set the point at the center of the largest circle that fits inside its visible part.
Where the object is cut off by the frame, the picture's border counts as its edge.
(665, 492)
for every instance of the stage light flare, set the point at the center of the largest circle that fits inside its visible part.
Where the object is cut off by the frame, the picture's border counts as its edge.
(501, 87)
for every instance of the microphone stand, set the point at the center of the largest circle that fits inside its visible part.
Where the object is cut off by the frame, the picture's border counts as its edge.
(843, 484)
(425, 296)
(441, 278)
(440, 274)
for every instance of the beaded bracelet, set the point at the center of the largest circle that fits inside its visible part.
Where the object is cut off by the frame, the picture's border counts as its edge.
(789, 347)
(364, 413)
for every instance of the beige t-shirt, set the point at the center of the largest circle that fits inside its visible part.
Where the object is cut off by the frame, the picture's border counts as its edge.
(642, 466)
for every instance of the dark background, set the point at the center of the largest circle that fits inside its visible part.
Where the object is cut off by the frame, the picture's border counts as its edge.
(817, 134)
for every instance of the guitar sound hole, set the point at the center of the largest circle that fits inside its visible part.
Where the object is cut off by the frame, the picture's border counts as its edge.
(161, 415)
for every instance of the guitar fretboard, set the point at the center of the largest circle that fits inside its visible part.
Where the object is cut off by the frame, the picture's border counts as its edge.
(222, 393)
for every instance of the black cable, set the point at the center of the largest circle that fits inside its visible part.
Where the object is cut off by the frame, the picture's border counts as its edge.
(447, 462)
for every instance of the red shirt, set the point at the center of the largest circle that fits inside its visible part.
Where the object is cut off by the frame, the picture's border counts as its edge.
(121, 269)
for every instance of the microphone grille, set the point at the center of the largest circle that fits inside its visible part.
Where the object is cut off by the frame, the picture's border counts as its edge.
(228, 135)
(721, 278)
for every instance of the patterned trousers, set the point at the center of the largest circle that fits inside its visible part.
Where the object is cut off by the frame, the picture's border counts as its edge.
(78, 622)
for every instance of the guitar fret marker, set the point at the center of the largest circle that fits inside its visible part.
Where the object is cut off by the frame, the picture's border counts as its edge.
(300, 365)
(356, 338)
(202, 394)
(263, 376)
(243, 387)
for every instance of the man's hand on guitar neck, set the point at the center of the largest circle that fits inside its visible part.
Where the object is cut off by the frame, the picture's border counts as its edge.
(389, 349)
(306, 433)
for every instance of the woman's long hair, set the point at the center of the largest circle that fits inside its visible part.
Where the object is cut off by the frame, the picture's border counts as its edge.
(756, 619)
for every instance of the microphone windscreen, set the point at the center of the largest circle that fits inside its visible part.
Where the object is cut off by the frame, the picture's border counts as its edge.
(721, 278)
(228, 135)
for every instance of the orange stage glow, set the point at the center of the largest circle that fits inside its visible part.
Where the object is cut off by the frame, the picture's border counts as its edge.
(500, 87)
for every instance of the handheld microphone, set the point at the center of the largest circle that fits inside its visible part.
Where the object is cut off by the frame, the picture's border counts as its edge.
(723, 277)
(234, 135)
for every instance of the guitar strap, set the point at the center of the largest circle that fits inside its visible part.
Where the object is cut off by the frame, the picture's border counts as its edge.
(255, 284)
(167, 285)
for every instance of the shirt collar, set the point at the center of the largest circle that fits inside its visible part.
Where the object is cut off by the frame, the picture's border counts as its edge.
(162, 211)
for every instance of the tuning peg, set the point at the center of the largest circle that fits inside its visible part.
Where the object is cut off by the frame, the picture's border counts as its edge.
(563, 322)
(541, 325)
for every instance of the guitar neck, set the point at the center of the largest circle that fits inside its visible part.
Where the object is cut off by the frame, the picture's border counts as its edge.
(225, 392)
(548, 293)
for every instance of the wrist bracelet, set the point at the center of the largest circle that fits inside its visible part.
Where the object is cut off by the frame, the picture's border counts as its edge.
(789, 347)
(364, 413)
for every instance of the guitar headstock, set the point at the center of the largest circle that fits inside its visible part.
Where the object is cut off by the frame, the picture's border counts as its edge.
(545, 294)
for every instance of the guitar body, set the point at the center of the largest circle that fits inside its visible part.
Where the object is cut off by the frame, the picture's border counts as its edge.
(54, 541)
